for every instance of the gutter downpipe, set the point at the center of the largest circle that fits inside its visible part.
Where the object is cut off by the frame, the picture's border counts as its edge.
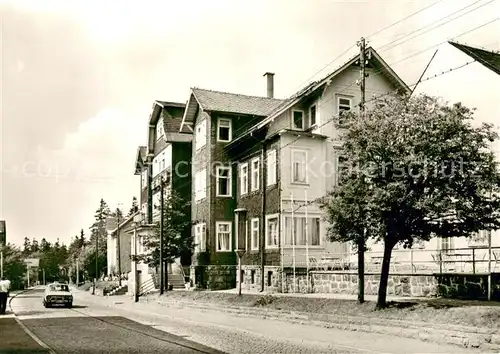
(263, 224)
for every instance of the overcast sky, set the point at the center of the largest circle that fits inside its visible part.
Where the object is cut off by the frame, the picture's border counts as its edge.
(79, 79)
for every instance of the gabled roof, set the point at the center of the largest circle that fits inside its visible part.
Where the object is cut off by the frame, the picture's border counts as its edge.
(157, 108)
(125, 222)
(140, 159)
(234, 103)
(219, 101)
(379, 63)
(489, 59)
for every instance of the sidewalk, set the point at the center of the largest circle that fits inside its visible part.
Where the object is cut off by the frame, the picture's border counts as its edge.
(14, 339)
(463, 336)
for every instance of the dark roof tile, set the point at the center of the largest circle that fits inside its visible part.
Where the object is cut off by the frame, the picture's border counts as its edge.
(235, 103)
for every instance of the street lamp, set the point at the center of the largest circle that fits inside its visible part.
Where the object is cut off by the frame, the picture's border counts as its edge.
(241, 217)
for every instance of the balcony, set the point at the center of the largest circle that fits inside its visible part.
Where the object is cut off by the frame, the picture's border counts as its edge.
(166, 175)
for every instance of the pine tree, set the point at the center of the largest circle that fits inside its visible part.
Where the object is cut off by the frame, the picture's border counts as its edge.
(35, 247)
(134, 208)
(26, 247)
(98, 232)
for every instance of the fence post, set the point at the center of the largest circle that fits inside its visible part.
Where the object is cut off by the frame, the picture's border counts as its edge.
(473, 261)
(440, 262)
(411, 260)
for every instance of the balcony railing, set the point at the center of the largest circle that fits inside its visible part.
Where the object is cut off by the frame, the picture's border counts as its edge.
(165, 174)
(471, 260)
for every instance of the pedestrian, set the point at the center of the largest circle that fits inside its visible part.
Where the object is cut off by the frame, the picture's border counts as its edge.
(4, 293)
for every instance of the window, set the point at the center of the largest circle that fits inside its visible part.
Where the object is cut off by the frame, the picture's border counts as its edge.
(159, 129)
(446, 244)
(155, 166)
(223, 181)
(254, 241)
(480, 238)
(272, 232)
(299, 166)
(162, 162)
(223, 236)
(200, 185)
(271, 167)
(59, 287)
(244, 179)
(300, 231)
(342, 169)
(312, 115)
(224, 130)
(298, 119)
(140, 245)
(255, 174)
(144, 179)
(200, 235)
(343, 105)
(144, 208)
(200, 135)
(156, 202)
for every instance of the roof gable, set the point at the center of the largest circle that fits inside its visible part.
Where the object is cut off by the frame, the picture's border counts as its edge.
(377, 60)
(218, 101)
(489, 59)
(140, 159)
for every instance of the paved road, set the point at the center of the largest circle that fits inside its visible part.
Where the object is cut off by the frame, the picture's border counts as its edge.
(89, 329)
(115, 325)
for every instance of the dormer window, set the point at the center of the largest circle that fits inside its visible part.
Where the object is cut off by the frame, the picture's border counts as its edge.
(224, 130)
(159, 129)
(312, 115)
(298, 119)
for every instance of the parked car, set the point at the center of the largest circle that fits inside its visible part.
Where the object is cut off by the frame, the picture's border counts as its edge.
(57, 294)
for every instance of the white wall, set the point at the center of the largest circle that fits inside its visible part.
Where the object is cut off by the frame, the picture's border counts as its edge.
(111, 253)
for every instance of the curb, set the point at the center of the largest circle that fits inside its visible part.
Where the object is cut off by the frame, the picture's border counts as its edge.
(26, 329)
(468, 337)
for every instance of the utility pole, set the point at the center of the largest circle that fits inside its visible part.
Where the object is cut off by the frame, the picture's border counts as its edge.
(77, 273)
(119, 248)
(361, 239)
(96, 261)
(161, 237)
(1, 261)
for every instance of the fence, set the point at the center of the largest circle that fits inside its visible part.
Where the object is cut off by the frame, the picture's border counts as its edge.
(471, 260)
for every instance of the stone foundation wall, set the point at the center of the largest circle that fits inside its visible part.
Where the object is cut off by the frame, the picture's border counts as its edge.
(468, 286)
(398, 285)
(213, 277)
(252, 278)
(404, 285)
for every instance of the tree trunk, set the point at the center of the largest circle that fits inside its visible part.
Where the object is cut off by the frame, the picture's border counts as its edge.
(361, 270)
(384, 276)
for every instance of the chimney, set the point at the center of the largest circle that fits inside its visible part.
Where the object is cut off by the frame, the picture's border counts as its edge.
(270, 84)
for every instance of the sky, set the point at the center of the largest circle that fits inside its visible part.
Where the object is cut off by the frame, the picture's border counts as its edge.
(78, 80)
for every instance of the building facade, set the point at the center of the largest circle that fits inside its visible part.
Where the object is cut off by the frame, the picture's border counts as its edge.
(216, 119)
(287, 163)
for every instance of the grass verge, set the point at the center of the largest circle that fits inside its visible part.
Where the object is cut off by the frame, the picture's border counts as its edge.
(439, 311)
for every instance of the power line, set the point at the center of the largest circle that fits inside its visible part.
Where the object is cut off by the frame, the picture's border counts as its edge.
(445, 41)
(403, 19)
(386, 94)
(106, 179)
(433, 28)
